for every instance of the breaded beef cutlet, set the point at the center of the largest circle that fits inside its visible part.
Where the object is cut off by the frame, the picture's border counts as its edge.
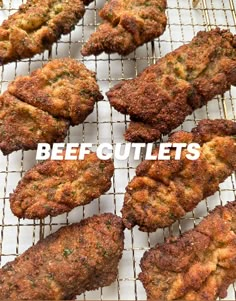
(63, 87)
(127, 25)
(54, 187)
(39, 108)
(23, 126)
(165, 190)
(74, 259)
(36, 26)
(199, 265)
(160, 98)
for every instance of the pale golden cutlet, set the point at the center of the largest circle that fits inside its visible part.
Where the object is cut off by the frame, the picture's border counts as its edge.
(23, 126)
(63, 87)
(54, 187)
(75, 259)
(199, 265)
(36, 26)
(127, 25)
(161, 97)
(164, 191)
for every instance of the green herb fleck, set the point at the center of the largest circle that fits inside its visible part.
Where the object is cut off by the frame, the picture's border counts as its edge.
(191, 93)
(105, 253)
(98, 245)
(84, 92)
(74, 193)
(187, 187)
(47, 207)
(108, 224)
(67, 252)
(172, 216)
(180, 59)
(221, 244)
(35, 187)
(32, 283)
(50, 276)
(176, 69)
(81, 239)
(102, 166)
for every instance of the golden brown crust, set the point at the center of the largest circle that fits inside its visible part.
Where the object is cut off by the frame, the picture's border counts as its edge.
(199, 265)
(23, 126)
(36, 26)
(186, 79)
(54, 187)
(127, 25)
(76, 258)
(63, 91)
(163, 191)
(63, 87)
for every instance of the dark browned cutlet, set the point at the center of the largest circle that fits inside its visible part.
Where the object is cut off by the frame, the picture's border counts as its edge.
(127, 25)
(39, 108)
(64, 88)
(160, 98)
(23, 126)
(54, 187)
(164, 191)
(36, 26)
(75, 259)
(199, 265)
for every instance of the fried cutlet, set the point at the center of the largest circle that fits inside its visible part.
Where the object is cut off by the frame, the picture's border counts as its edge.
(62, 93)
(63, 87)
(199, 265)
(23, 126)
(127, 25)
(165, 190)
(160, 98)
(36, 26)
(54, 187)
(74, 259)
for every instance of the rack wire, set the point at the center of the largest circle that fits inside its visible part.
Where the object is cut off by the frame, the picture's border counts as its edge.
(107, 125)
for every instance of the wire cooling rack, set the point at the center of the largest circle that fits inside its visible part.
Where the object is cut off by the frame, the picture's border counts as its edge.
(107, 125)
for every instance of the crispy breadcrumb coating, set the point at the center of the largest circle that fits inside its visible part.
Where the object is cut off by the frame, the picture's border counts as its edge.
(160, 98)
(62, 92)
(36, 26)
(54, 187)
(163, 191)
(75, 259)
(199, 265)
(63, 87)
(127, 25)
(23, 126)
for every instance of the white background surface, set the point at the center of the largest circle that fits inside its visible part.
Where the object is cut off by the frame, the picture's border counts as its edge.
(107, 125)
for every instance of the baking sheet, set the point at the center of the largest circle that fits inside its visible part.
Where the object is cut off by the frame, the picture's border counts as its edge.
(107, 125)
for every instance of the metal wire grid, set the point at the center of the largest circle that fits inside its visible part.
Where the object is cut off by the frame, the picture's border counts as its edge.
(106, 125)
